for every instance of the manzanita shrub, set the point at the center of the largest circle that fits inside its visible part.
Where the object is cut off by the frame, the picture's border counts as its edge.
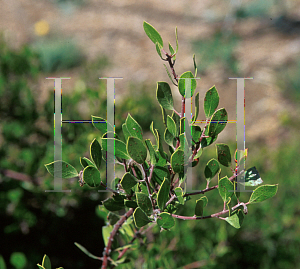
(153, 185)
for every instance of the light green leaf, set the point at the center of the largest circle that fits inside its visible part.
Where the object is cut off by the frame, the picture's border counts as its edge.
(140, 218)
(101, 124)
(236, 219)
(165, 220)
(85, 251)
(179, 194)
(106, 230)
(125, 131)
(172, 126)
(163, 194)
(181, 83)
(152, 34)
(225, 188)
(67, 170)
(211, 101)
(263, 193)
(96, 153)
(164, 95)
(158, 49)
(86, 162)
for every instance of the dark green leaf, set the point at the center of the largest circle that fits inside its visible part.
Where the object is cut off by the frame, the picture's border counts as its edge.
(172, 126)
(144, 202)
(112, 205)
(195, 66)
(152, 34)
(211, 101)
(163, 194)
(91, 176)
(136, 149)
(128, 181)
(197, 105)
(140, 218)
(112, 218)
(211, 169)
(67, 170)
(164, 95)
(101, 124)
(165, 220)
(176, 119)
(96, 153)
(196, 133)
(263, 193)
(86, 162)
(190, 79)
(177, 161)
(46, 262)
(159, 173)
(224, 156)
(218, 122)
(130, 203)
(169, 138)
(153, 154)
(133, 127)
(2, 263)
(200, 204)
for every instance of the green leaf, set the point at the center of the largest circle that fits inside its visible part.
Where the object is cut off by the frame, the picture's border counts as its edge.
(176, 119)
(40, 267)
(153, 154)
(211, 101)
(67, 170)
(128, 181)
(195, 66)
(181, 83)
(125, 131)
(225, 188)
(236, 219)
(133, 127)
(263, 193)
(144, 202)
(85, 251)
(179, 194)
(197, 105)
(136, 149)
(211, 169)
(205, 142)
(177, 161)
(164, 116)
(2, 263)
(140, 218)
(46, 262)
(86, 162)
(91, 176)
(224, 156)
(159, 173)
(101, 124)
(158, 49)
(200, 204)
(160, 146)
(130, 203)
(252, 177)
(172, 51)
(165, 220)
(112, 205)
(153, 132)
(218, 122)
(120, 148)
(172, 126)
(19, 261)
(163, 194)
(164, 95)
(152, 34)
(196, 133)
(96, 153)
(106, 230)
(112, 218)
(169, 138)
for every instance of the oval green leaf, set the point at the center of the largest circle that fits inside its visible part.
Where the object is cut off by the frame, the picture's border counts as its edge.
(177, 161)
(96, 153)
(211, 169)
(164, 95)
(101, 124)
(165, 220)
(91, 176)
(200, 204)
(236, 219)
(163, 194)
(140, 218)
(153, 34)
(120, 148)
(46, 262)
(66, 170)
(226, 188)
(218, 122)
(113, 205)
(172, 126)
(181, 84)
(263, 193)
(136, 149)
(224, 155)
(144, 202)
(86, 162)
(211, 101)
(133, 127)
(128, 181)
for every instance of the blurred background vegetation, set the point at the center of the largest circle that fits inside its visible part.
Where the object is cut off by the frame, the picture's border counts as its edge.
(34, 223)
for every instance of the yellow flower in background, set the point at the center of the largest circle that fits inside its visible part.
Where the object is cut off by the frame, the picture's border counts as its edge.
(41, 28)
